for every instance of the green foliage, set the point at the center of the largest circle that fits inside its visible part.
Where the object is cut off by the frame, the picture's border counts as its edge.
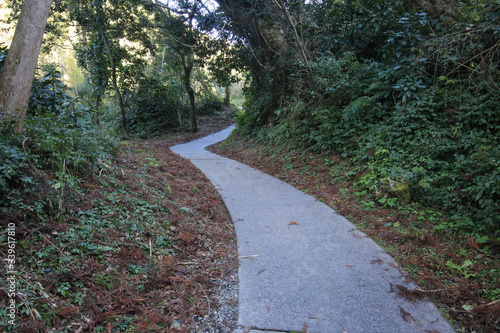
(91, 56)
(156, 106)
(13, 159)
(60, 144)
(209, 105)
(48, 93)
(406, 96)
(43, 167)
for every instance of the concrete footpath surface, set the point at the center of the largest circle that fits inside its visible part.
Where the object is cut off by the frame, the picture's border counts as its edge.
(302, 265)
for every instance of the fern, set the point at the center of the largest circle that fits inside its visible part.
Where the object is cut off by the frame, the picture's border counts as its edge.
(357, 109)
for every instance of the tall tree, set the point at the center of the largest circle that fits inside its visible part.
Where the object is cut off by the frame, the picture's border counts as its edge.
(17, 76)
(184, 45)
(181, 35)
(104, 23)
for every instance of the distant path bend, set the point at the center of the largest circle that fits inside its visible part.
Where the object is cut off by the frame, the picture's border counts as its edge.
(302, 265)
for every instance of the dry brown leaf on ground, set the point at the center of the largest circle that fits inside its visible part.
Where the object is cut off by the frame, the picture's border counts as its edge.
(406, 315)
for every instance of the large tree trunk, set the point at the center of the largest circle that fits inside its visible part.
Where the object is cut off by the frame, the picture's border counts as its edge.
(17, 76)
(114, 80)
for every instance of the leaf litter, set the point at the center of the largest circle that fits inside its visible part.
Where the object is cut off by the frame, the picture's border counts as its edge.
(157, 275)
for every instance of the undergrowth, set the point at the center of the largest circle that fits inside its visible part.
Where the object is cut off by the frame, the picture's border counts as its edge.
(100, 235)
(127, 248)
(420, 109)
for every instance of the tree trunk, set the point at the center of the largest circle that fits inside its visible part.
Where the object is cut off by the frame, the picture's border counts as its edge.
(227, 99)
(17, 76)
(115, 86)
(188, 68)
(192, 110)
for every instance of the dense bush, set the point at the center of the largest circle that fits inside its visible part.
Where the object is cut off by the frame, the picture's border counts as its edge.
(42, 167)
(209, 105)
(156, 106)
(48, 94)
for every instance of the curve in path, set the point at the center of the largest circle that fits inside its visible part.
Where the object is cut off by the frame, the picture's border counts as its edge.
(303, 265)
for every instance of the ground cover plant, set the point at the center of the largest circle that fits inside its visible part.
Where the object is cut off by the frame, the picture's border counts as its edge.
(458, 272)
(133, 242)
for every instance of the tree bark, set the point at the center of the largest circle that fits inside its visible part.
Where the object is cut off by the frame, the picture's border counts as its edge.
(115, 86)
(188, 68)
(17, 76)
(227, 99)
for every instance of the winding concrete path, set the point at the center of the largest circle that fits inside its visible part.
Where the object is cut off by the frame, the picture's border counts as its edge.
(302, 265)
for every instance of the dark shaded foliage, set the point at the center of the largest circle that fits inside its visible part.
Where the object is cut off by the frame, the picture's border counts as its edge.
(156, 106)
(404, 94)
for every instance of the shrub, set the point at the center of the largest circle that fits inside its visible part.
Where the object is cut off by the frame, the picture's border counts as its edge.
(209, 105)
(156, 106)
(43, 167)
(48, 93)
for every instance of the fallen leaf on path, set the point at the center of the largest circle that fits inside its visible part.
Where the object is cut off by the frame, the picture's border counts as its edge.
(251, 257)
(260, 271)
(393, 265)
(292, 223)
(406, 315)
(338, 322)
